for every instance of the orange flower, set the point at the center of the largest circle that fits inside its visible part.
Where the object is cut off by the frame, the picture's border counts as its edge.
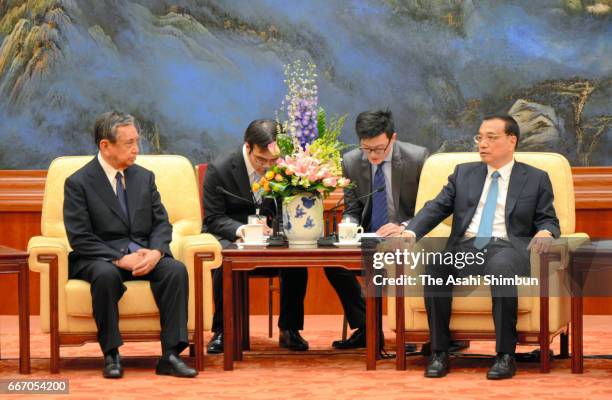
(278, 178)
(269, 175)
(256, 186)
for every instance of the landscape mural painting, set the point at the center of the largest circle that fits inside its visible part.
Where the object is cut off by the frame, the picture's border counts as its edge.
(196, 72)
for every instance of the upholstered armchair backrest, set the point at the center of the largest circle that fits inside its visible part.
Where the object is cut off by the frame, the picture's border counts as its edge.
(439, 166)
(174, 177)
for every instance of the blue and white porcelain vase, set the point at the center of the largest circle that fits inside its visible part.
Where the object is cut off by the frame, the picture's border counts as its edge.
(303, 219)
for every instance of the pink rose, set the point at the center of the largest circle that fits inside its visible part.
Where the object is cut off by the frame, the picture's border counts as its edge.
(343, 182)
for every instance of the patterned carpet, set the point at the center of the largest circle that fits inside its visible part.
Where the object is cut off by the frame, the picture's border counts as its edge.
(269, 373)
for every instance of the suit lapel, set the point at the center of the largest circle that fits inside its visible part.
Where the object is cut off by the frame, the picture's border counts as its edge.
(475, 183)
(239, 172)
(365, 177)
(396, 177)
(518, 178)
(103, 188)
(132, 187)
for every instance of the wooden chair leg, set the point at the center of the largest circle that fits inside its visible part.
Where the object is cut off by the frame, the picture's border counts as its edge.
(344, 327)
(270, 305)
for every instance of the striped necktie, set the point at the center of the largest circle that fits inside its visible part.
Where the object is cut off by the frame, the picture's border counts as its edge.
(379, 200)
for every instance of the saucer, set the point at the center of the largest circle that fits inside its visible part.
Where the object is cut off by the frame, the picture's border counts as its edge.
(252, 245)
(348, 245)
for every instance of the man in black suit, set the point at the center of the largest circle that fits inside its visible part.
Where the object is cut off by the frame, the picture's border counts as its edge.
(381, 161)
(501, 208)
(119, 231)
(225, 217)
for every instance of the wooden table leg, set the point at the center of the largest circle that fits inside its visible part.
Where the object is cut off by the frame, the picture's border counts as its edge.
(577, 332)
(24, 319)
(544, 323)
(400, 326)
(238, 315)
(371, 320)
(228, 316)
(576, 321)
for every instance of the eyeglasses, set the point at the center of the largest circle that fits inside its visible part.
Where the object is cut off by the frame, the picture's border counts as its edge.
(265, 161)
(377, 150)
(486, 138)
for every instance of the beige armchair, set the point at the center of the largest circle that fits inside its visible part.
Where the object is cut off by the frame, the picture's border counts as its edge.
(540, 318)
(65, 304)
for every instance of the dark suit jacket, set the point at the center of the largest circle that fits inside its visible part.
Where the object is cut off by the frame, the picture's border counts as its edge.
(529, 204)
(224, 213)
(407, 162)
(95, 224)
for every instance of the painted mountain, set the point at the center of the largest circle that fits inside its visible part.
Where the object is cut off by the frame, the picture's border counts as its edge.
(196, 72)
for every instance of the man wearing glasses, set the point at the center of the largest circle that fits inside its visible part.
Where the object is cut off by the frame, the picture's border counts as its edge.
(381, 162)
(501, 208)
(226, 216)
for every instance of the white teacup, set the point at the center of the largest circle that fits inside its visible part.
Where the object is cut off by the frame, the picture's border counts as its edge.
(253, 233)
(348, 231)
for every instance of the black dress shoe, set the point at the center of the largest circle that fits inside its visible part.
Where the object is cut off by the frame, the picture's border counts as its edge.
(356, 341)
(503, 368)
(437, 367)
(291, 339)
(173, 365)
(112, 366)
(215, 346)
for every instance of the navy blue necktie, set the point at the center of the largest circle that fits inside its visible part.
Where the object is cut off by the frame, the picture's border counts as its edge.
(485, 228)
(122, 195)
(379, 200)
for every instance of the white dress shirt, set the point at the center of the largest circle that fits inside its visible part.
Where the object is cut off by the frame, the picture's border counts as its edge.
(253, 177)
(111, 173)
(499, 220)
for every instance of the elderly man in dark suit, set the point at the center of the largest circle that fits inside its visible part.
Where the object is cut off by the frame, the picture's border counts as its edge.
(502, 208)
(381, 162)
(119, 231)
(226, 215)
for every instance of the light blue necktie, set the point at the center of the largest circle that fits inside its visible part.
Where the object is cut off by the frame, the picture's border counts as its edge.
(485, 229)
(379, 200)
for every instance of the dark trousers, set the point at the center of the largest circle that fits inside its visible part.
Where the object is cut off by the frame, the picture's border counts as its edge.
(293, 283)
(348, 289)
(500, 259)
(169, 284)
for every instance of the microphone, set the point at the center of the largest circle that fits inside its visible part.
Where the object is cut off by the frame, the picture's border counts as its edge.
(332, 238)
(277, 239)
(223, 190)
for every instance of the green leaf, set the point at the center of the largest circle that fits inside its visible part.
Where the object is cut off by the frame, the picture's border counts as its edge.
(321, 122)
(285, 143)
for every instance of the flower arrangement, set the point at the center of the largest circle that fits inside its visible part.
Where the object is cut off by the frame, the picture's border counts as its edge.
(307, 144)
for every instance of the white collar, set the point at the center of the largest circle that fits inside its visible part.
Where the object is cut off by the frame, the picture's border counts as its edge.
(504, 171)
(247, 161)
(109, 170)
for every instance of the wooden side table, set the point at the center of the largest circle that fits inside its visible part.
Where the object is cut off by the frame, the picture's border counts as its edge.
(236, 261)
(595, 257)
(16, 262)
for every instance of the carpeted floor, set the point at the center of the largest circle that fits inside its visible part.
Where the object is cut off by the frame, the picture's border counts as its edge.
(269, 373)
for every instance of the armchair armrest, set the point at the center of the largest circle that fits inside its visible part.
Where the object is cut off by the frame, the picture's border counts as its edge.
(43, 245)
